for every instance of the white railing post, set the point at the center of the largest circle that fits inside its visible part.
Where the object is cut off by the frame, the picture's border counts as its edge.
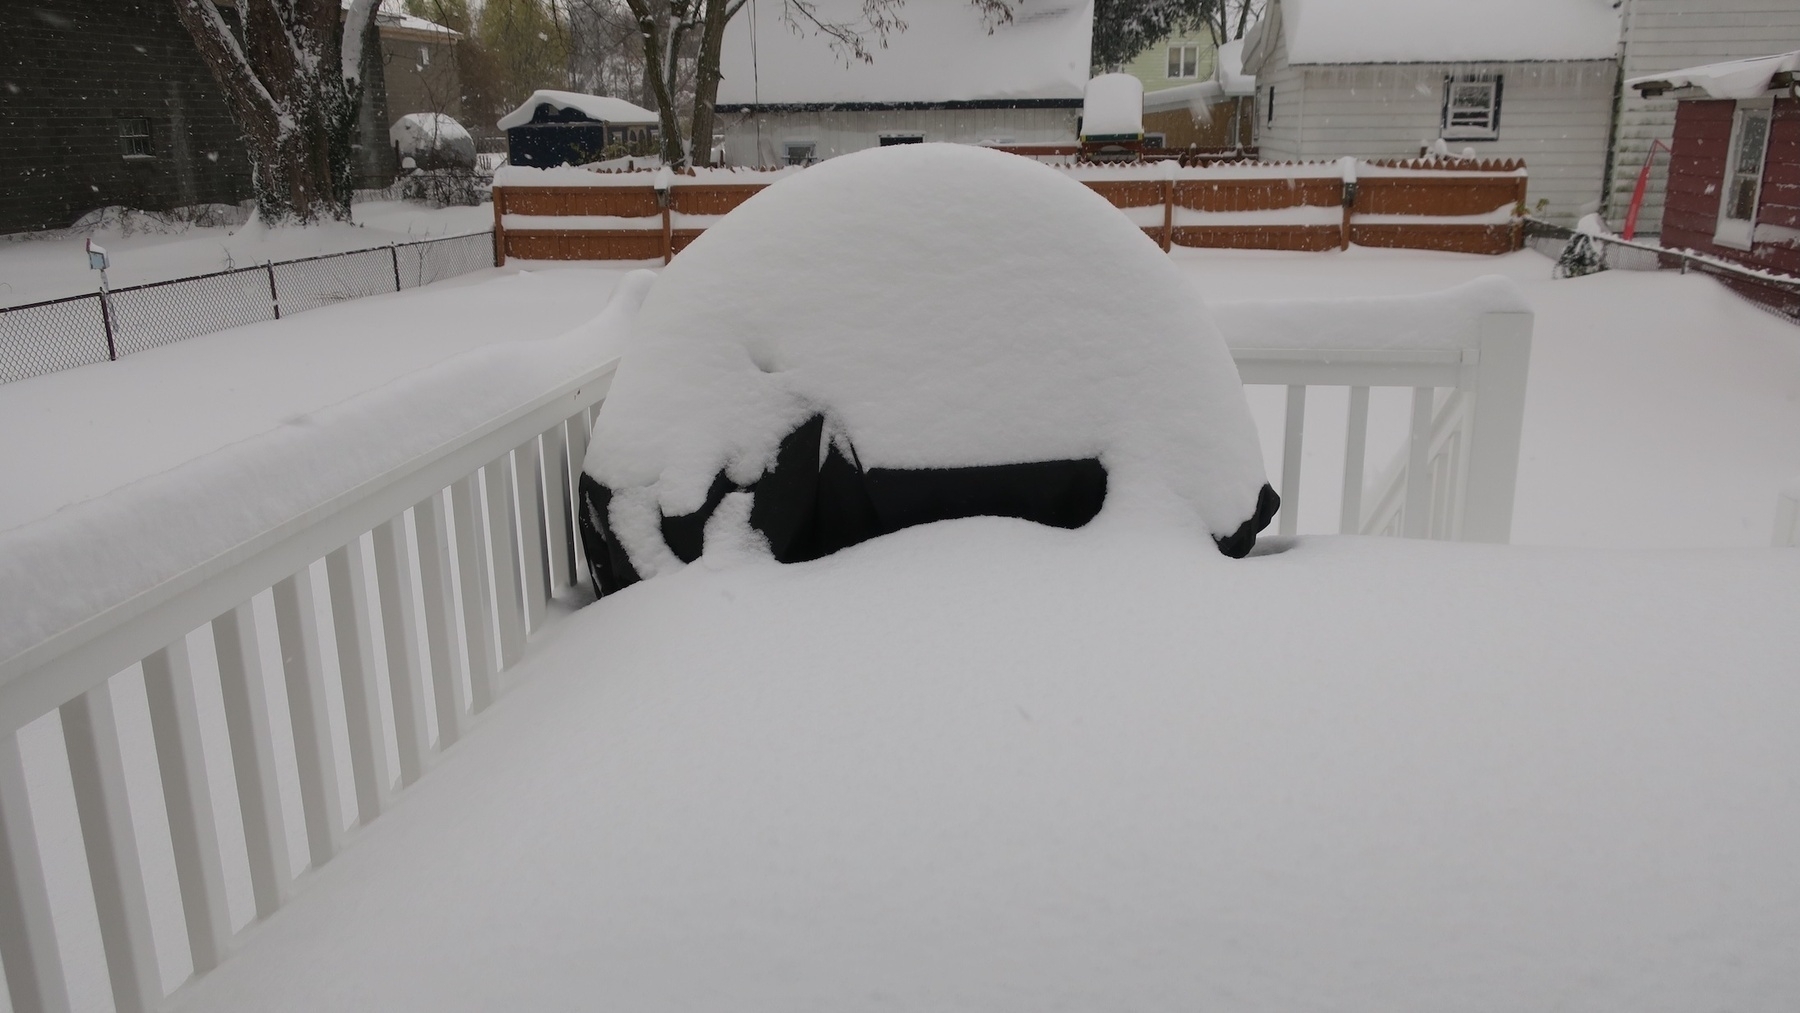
(297, 631)
(1787, 518)
(399, 632)
(477, 600)
(97, 771)
(253, 755)
(193, 831)
(34, 972)
(1496, 421)
(433, 526)
(348, 586)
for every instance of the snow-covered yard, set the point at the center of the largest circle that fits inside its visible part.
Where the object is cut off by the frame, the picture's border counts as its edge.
(37, 267)
(984, 764)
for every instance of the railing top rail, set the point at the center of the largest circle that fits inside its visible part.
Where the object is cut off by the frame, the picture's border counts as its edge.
(42, 676)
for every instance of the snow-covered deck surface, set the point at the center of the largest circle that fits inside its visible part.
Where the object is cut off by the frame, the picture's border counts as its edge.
(987, 765)
(1005, 767)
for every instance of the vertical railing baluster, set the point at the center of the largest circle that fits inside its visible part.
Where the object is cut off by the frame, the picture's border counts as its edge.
(557, 517)
(34, 971)
(400, 625)
(97, 772)
(1418, 459)
(531, 531)
(253, 755)
(297, 629)
(1290, 459)
(503, 532)
(1356, 447)
(478, 616)
(433, 528)
(193, 830)
(349, 590)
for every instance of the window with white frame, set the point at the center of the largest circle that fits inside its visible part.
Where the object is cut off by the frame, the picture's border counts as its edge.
(800, 152)
(1184, 59)
(1471, 108)
(424, 57)
(134, 137)
(1743, 174)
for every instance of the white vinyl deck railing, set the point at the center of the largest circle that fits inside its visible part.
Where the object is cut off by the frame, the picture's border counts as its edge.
(491, 527)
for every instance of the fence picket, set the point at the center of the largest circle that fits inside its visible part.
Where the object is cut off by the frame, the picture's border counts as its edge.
(349, 590)
(97, 771)
(34, 971)
(253, 755)
(297, 629)
(193, 830)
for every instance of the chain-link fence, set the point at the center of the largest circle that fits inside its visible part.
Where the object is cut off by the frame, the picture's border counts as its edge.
(58, 334)
(1776, 294)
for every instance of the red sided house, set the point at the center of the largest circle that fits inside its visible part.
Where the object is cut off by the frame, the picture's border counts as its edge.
(1734, 173)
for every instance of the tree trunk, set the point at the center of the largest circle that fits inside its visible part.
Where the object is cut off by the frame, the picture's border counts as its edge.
(706, 79)
(285, 92)
(656, 37)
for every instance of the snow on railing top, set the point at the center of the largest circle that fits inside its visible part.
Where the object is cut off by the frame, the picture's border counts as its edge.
(94, 565)
(1449, 319)
(565, 175)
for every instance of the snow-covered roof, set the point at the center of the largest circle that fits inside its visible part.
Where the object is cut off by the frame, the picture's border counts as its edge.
(1186, 96)
(946, 54)
(1113, 107)
(389, 15)
(1443, 31)
(1229, 72)
(598, 107)
(1735, 79)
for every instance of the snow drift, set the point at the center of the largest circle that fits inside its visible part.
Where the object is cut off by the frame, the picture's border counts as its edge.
(846, 337)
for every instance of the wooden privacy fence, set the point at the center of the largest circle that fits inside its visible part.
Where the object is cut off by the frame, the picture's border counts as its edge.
(1454, 206)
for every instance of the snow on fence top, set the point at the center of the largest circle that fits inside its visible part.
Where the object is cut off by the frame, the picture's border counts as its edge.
(1734, 79)
(562, 176)
(598, 107)
(1441, 31)
(946, 54)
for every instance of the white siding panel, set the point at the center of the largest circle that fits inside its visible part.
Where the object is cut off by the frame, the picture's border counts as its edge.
(760, 138)
(1662, 35)
(1555, 116)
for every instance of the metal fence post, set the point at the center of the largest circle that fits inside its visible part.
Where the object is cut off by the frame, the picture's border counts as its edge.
(274, 300)
(394, 252)
(112, 349)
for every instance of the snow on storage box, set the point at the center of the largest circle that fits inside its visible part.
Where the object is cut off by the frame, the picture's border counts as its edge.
(910, 334)
(1113, 108)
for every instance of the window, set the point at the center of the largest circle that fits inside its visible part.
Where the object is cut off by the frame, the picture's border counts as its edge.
(1271, 103)
(424, 57)
(1155, 142)
(1184, 59)
(1471, 108)
(887, 139)
(1743, 174)
(800, 152)
(134, 137)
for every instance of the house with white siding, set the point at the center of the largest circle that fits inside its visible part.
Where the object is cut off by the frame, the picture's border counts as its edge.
(1524, 79)
(1666, 35)
(788, 95)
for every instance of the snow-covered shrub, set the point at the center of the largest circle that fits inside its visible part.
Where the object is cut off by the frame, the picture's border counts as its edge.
(433, 141)
(909, 334)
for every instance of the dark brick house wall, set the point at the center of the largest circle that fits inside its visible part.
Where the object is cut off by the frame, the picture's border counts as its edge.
(70, 71)
(1697, 182)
